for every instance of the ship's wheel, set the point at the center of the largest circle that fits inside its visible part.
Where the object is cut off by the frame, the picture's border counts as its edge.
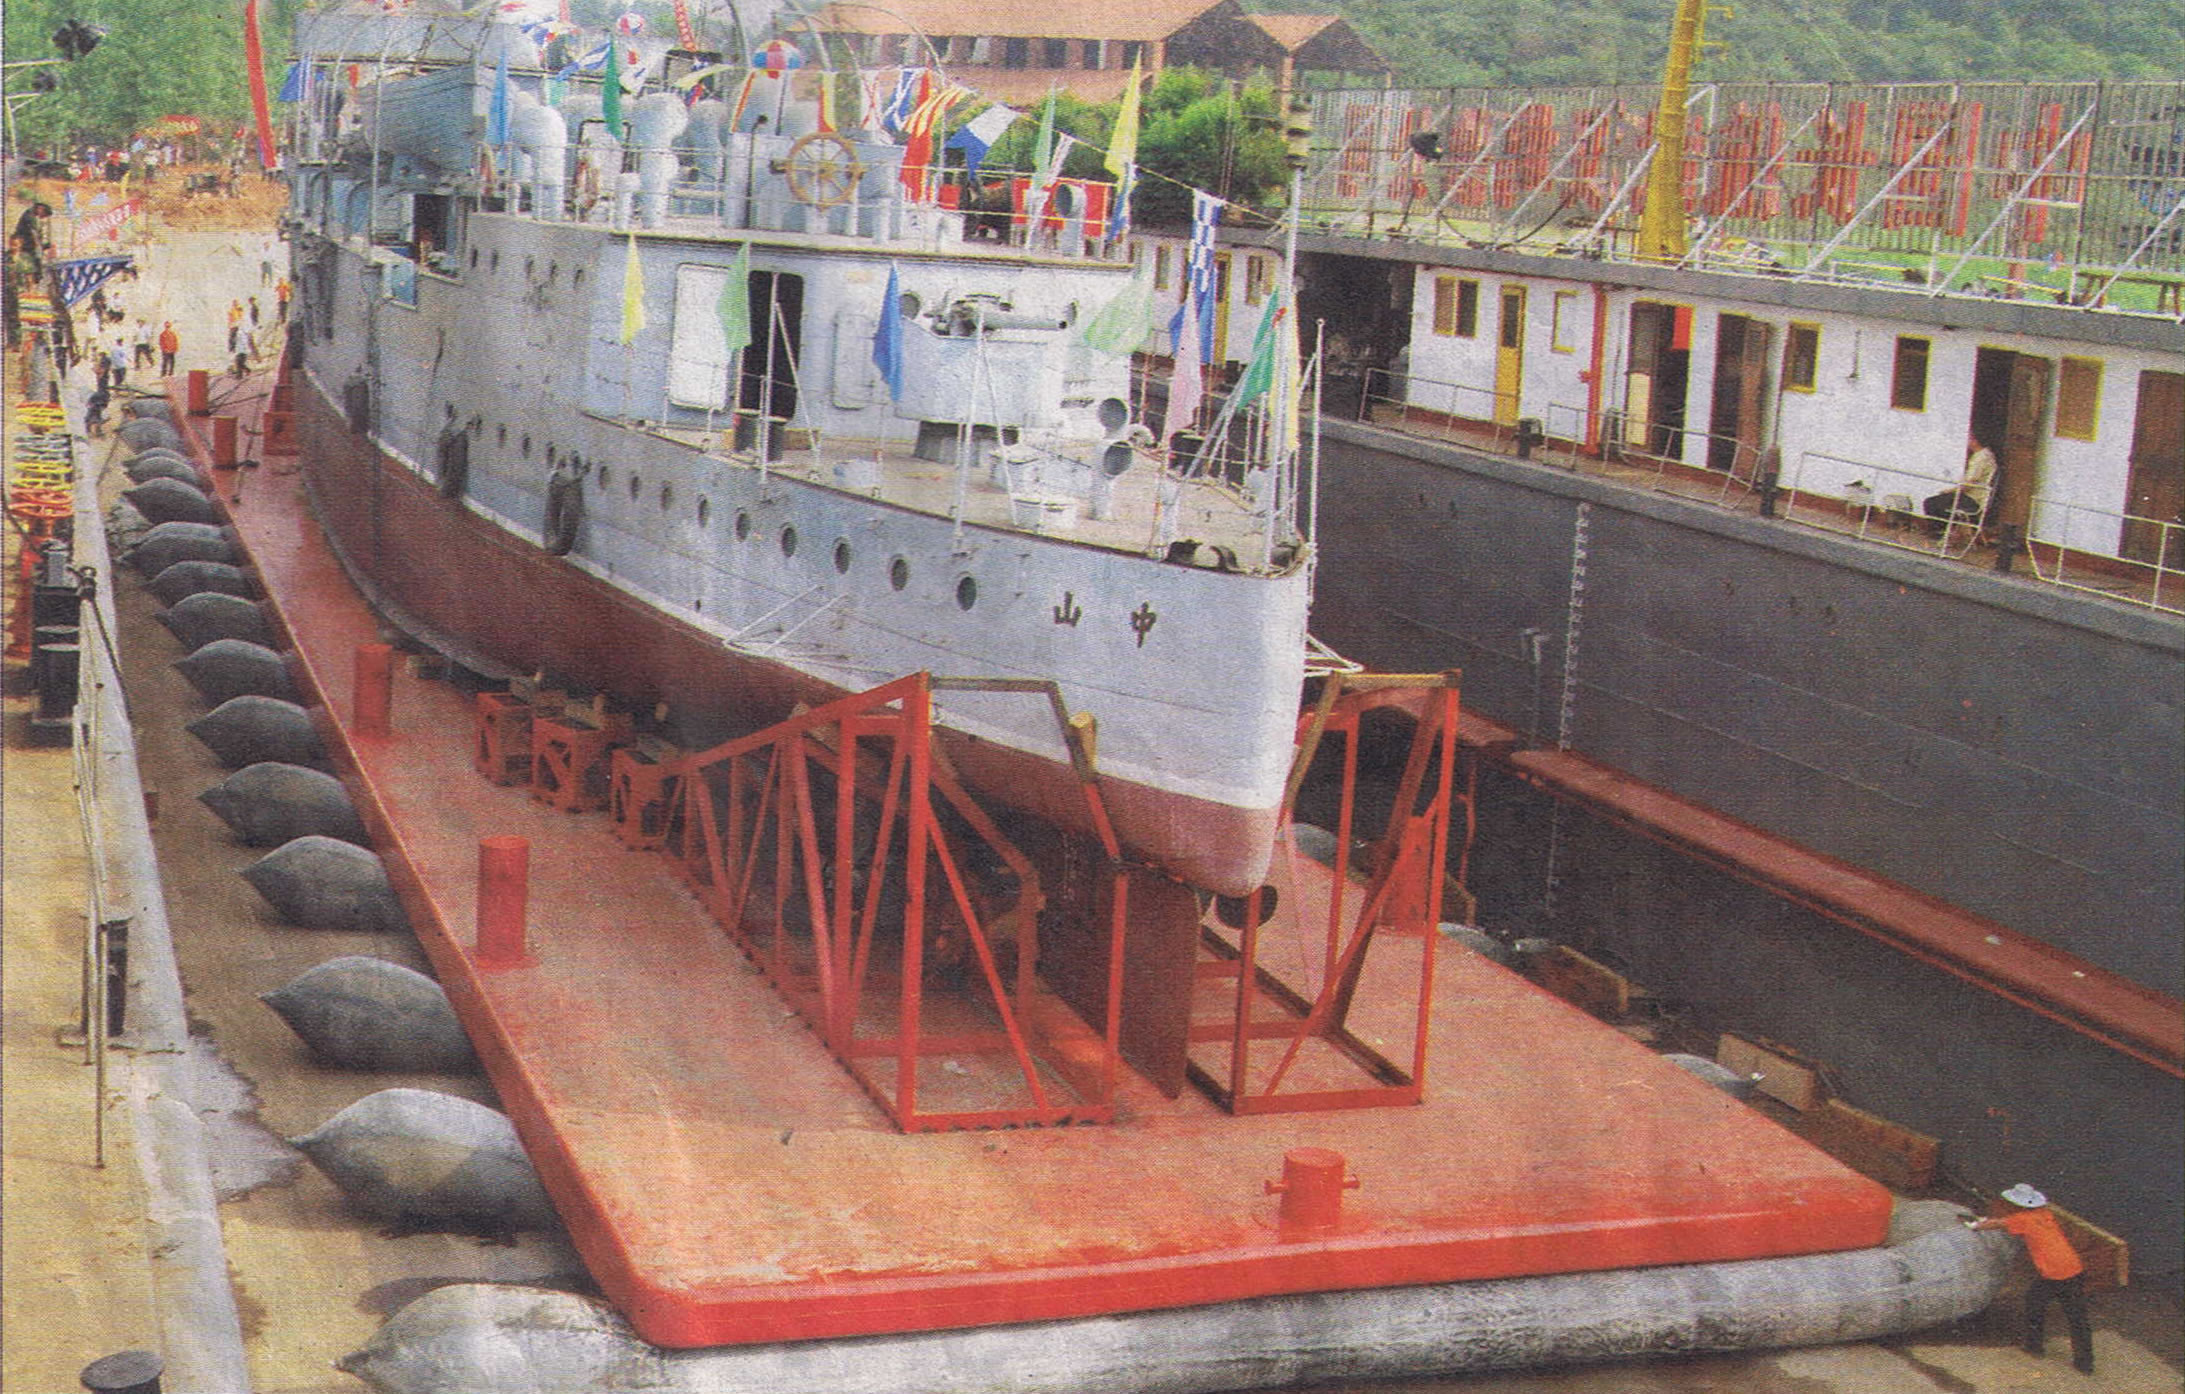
(823, 169)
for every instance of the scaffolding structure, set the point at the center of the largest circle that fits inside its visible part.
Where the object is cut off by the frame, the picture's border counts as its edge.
(1965, 187)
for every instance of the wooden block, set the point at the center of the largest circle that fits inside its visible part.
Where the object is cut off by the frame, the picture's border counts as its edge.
(1582, 982)
(1889, 1152)
(1781, 1078)
(2108, 1258)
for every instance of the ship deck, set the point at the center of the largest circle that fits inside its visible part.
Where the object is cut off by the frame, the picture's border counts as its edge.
(727, 1182)
(1148, 506)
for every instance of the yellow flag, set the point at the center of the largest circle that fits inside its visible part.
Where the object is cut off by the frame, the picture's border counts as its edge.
(633, 294)
(1123, 143)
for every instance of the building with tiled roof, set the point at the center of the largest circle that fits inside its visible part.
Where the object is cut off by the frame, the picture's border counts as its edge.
(1018, 53)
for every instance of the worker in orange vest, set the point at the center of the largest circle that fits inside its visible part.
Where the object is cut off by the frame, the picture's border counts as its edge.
(2059, 1272)
(170, 344)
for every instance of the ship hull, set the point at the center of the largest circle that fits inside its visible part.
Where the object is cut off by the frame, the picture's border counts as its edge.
(458, 581)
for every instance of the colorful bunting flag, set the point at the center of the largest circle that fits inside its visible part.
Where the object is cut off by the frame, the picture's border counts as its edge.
(887, 338)
(633, 294)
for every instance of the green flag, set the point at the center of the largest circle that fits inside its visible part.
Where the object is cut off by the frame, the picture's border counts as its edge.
(1043, 148)
(610, 92)
(1122, 324)
(1259, 374)
(735, 307)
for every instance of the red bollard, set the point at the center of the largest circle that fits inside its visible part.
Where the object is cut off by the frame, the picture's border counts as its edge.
(372, 690)
(504, 882)
(199, 397)
(1311, 1188)
(223, 442)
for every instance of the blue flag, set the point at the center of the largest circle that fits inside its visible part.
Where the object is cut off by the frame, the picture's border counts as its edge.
(292, 86)
(887, 339)
(497, 114)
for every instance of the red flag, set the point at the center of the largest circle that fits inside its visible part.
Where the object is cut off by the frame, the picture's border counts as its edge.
(254, 59)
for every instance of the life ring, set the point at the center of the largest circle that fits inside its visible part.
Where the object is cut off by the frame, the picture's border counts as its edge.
(564, 510)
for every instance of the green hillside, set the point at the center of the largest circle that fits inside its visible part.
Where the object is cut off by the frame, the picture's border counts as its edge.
(1576, 42)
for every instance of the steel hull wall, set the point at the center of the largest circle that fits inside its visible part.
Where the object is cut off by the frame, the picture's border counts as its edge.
(462, 581)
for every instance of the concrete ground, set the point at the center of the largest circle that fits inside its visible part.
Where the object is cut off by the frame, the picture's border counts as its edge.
(311, 1280)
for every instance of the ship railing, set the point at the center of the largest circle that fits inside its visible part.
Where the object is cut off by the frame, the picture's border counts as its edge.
(1874, 503)
(1478, 416)
(1631, 451)
(2070, 544)
(1565, 435)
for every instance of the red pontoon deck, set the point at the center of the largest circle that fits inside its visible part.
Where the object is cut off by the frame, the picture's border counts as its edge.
(728, 1180)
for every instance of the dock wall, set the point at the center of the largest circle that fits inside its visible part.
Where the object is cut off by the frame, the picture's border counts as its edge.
(2017, 752)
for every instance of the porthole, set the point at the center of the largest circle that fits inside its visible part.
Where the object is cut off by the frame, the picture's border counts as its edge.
(789, 541)
(705, 512)
(743, 525)
(842, 555)
(667, 497)
(898, 573)
(500, 436)
(635, 484)
(967, 593)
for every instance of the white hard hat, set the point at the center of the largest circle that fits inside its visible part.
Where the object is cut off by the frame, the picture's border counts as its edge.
(2025, 1196)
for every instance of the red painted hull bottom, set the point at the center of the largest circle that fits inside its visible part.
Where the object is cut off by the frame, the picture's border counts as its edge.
(728, 1183)
(461, 578)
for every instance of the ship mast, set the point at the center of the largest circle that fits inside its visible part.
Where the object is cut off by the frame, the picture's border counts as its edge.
(1661, 225)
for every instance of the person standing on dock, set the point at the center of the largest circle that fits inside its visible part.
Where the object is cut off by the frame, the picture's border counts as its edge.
(2059, 1272)
(170, 344)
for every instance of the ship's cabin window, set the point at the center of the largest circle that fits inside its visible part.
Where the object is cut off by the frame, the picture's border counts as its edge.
(1134, 52)
(500, 435)
(898, 573)
(842, 556)
(1016, 53)
(1057, 53)
(525, 446)
(1563, 329)
(1456, 307)
(2078, 397)
(603, 479)
(667, 497)
(1096, 54)
(1258, 276)
(1801, 357)
(789, 541)
(743, 525)
(1161, 267)
(1908, 379)
(493, 263)
(553, 272)
(705, 512)
(635, 484)
(967, 593)
(578, 279)
(530, 267)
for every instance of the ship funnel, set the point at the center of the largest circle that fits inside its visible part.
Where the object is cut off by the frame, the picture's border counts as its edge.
(654, 125)
(543, 137)
(703, 140)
